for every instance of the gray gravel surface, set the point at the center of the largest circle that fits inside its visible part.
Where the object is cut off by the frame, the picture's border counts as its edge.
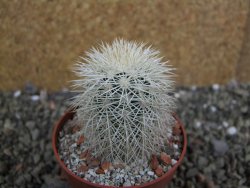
(217, 120)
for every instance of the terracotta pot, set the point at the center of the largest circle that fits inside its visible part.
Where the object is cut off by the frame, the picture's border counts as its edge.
(78, 182)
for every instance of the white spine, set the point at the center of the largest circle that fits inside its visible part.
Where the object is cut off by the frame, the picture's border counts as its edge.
(124, 100)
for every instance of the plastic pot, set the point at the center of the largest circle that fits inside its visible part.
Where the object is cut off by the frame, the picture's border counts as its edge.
(77, 182)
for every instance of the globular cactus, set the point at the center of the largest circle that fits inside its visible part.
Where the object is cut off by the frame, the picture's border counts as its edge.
(125, 101)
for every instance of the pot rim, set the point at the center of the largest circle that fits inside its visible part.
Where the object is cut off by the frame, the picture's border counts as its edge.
(69, 115)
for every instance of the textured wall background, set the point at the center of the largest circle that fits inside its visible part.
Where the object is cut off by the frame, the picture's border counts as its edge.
(40, 40)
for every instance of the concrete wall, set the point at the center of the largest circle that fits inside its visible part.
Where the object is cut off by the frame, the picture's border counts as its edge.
(208, 41)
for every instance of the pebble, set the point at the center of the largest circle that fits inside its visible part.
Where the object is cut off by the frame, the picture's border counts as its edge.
(216, 87)
(220, 147)
(150, 173)
(9, 125)
(202, 162)
(177, 95)
(193, 105)
(192, 172)
(35, 134)
(127, 183)
(231, 131)
(30, 125)
(197, 124)
(35, 97)
(213, 109)
(36, 158)
(173, 161)
(225, 124)
(17, 93)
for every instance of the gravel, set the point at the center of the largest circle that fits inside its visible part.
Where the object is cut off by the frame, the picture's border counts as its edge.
(75, 152)
(217, 120)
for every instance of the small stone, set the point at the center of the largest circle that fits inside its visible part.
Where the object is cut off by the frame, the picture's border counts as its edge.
(92, 172)
(244, 109)
(85, 155)
(30, 125)
(7, 152)
(197, 124)
(220, 163)
(220, 147)
(159, 171)
(231, 131)
(25, 139)
(105, 165)
(54, 182)
(141, 172)
(210, 184)
(173, 161)
(83, 168)
(247, 158)
(216, 87)
(35, 134)
(176, 95)
(36, 158)
(175, 146)
(35, 98)
(202, 162)
(225, 124)
(27, 177)
(150, 173)
(17, 93)
(166, 159)
(220, 174)
(201, 177)
(154, 162)
(127, 183)
(19, 167)
(9, 125)
(191, 172)
(100, 171)
(19, 181)
(213, 109)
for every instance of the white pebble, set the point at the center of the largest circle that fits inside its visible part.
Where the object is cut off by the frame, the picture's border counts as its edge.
(197, 124)
(173, 161)
(91, 172)
(225, 124)
(177, 95)
(205, 106)
(127, 183)
(216, 87)
(150, 173)
(35, 97)
(17, 93)
(213, 108)
(231, 131)
(175, 146)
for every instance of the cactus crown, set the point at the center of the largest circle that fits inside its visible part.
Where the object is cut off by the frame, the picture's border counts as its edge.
(124, 102)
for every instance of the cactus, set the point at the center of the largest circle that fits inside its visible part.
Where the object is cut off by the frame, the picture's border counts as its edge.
(124, 100)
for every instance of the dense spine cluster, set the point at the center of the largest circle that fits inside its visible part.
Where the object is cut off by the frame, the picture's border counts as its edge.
(124, 102)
